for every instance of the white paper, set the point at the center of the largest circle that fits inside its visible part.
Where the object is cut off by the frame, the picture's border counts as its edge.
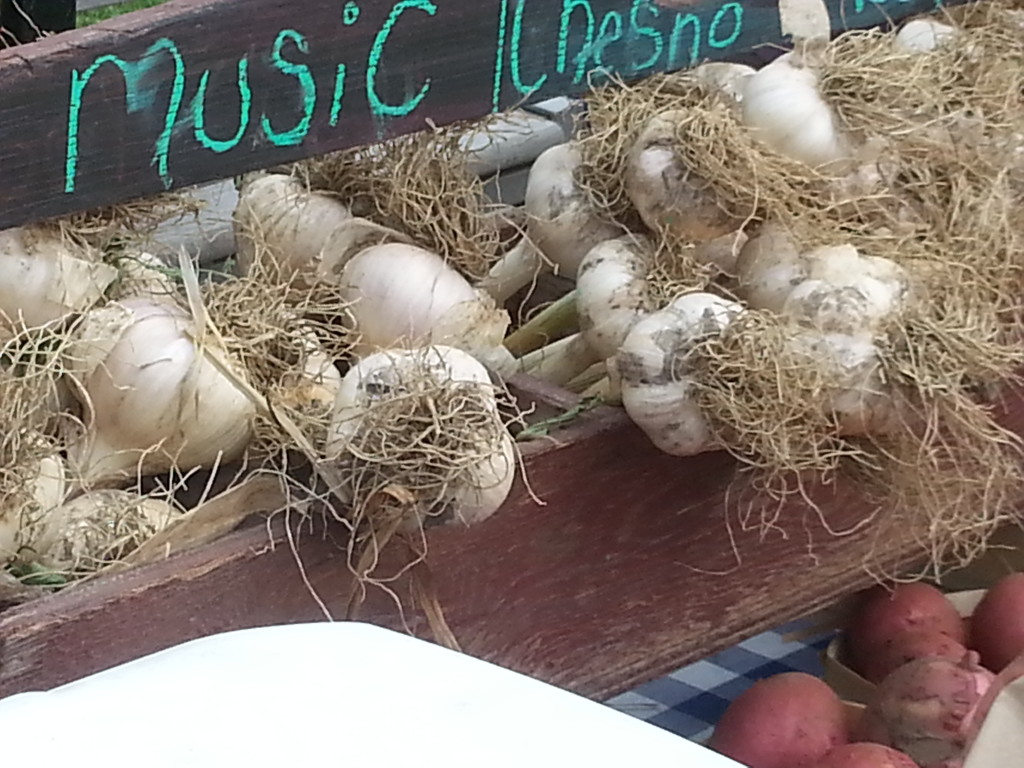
(326, 694)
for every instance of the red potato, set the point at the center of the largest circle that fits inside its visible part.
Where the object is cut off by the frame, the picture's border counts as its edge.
(907, 646)
(865, 755)
(884, 614)
(790, 720)
(998, 623)
(925, 709)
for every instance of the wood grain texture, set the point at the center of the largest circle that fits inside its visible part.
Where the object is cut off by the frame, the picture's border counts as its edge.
(624, 572)
(116, 111)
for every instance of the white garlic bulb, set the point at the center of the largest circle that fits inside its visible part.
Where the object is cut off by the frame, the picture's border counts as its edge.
(783, 108)
(155, 397)
(43, 278)
(478, 488)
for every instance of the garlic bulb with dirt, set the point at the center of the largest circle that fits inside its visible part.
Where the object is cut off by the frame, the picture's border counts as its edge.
(44, 277)
(562, 225)
(277, 218)
(859, 398)
(783, 108)
(425, 421)
(96, 529)
(611, 295)
(846, 291)
(404, 295)
(45, 487)
(667, 195)
(158, 394)
(657, 392)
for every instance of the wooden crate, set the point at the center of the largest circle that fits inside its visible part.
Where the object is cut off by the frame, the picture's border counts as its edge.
(618, 562)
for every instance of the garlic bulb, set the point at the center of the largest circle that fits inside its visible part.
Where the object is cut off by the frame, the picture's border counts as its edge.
(43, 278)
(725, 77)
(562, 225)
(768, 268)
(96, 529)
(47, 488)
(405, 295)
(923, 35)
(783, 108)
(277, 213)
(651, 366)
(845, 291)
(666, 194)
(861, 402)
(611, 295)
(155, 398)
(470, 482)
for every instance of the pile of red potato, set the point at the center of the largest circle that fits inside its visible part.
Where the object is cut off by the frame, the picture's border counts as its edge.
(931, 668)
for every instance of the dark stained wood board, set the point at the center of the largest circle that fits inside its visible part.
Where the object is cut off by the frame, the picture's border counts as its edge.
(624, 573)
(115, 111)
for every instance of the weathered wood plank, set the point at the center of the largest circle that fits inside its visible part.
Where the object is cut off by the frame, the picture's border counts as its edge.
(196, 90)
(628, 569)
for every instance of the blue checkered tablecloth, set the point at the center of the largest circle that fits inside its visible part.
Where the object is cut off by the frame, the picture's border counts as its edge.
(690, 700)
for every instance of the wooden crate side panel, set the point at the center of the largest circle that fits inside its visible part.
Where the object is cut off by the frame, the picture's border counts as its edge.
(624, 572)
(197, 90)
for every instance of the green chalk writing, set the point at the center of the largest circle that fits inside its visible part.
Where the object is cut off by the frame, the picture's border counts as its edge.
(564, 27)
(646, 32)
(517, 39)
(244, 108)
(499, 58)
(301, 72)
(611, 30)
(136, 99)
(339, 94)
(735, 10)
(377, 106)
(683, 23)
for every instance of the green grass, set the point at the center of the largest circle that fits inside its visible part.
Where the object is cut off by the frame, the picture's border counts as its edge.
(85, 18)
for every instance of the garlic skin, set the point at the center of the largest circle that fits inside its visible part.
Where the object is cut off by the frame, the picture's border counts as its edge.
(783, 108)
(667, 195)
(144, 275)
(42, 279)
(485, 485)
(405, 295)
(923, 36)
(656, 392)
(154, 400)
(47, 491)
(562, 225)
(277, 211)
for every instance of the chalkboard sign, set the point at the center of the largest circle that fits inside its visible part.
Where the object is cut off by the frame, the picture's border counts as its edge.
(196, 90)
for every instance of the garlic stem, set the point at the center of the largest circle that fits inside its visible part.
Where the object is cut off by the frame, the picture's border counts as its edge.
(562, 224)
(561, 361)
(554, 321)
